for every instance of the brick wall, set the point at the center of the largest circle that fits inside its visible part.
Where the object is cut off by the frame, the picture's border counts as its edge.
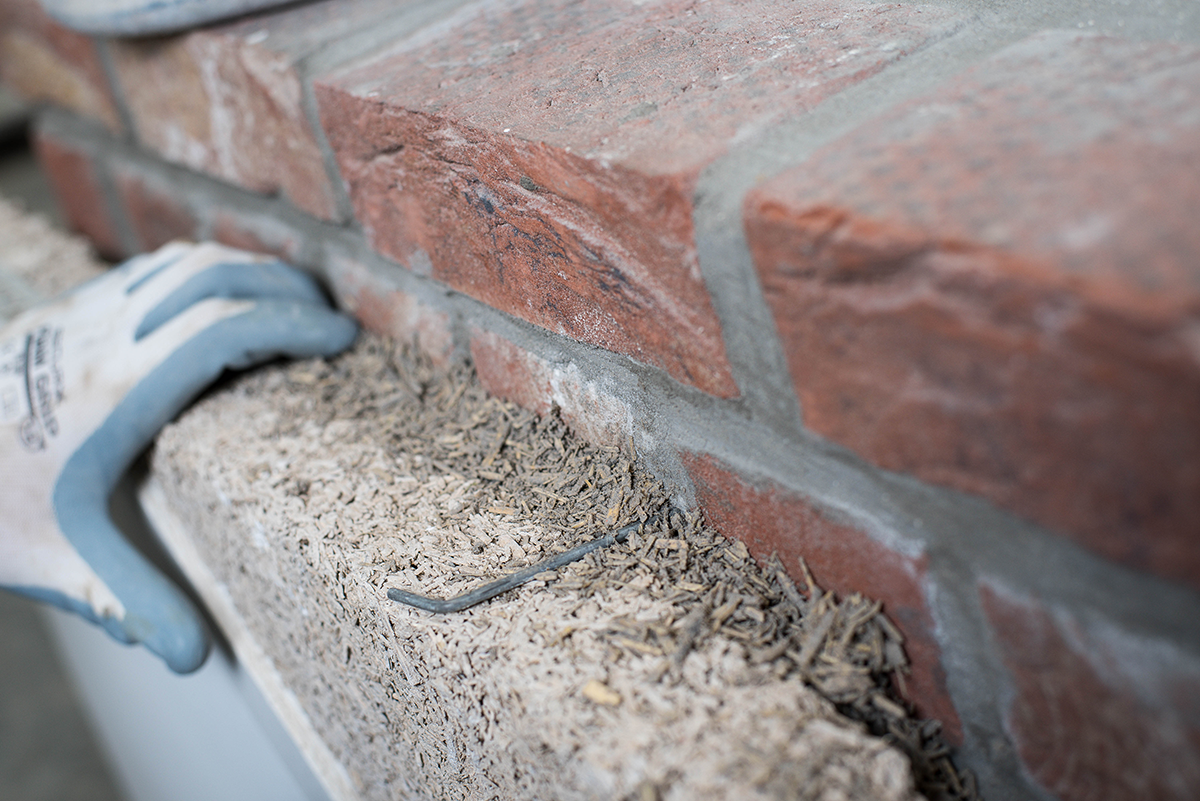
(911, 292)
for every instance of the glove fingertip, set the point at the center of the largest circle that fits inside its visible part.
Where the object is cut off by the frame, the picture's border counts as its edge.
(175, 634)
(182, 643)
(343, 330)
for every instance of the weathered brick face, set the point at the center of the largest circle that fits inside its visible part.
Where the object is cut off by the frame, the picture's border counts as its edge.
(219, 105)
(966, 292)
(541, 234)
(542, 157)
(842, 558)
(1097, 716)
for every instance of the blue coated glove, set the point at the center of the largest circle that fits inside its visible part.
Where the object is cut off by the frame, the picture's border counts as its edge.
(148, 17)
(87, 380)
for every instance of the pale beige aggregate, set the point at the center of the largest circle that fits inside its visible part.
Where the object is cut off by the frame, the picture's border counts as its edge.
(307, 519)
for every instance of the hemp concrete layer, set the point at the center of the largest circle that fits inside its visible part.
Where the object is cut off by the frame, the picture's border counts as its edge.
(37, 262)
(307, 517)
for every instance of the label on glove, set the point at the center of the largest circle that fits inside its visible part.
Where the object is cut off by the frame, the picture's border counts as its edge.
(31, 385)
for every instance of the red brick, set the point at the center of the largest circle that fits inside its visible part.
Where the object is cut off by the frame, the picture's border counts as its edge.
(156, 213)
(215, 102)
(542, 156)
(513, 373)
(390, 312)
(1098, 715)
(42, 61)
(842, 558)
(996, 288)
(72, 175)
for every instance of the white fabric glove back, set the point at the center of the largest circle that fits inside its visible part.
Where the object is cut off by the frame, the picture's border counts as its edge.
(87, 380)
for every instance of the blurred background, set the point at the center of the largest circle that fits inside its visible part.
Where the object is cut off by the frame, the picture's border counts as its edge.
(47, 749)
(84, 717)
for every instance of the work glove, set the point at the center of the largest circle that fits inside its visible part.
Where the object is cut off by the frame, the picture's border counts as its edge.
(87, 380)
(148, 17)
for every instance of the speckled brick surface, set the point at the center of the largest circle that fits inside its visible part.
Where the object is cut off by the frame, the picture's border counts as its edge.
(996, 287)
(542, 156)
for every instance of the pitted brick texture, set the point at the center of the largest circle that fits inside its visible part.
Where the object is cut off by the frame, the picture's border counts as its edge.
(1098, 715)
(542, 156)
(997, 288)
(227, 100)
(842, 558)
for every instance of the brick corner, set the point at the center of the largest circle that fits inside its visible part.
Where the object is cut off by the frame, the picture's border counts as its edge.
(221, 104)
(556, 183)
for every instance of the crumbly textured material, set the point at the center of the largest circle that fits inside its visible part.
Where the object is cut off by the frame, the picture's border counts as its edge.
(669, 667)
(36, 261)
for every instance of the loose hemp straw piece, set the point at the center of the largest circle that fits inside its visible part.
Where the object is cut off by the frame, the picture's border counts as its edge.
(512, 581)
